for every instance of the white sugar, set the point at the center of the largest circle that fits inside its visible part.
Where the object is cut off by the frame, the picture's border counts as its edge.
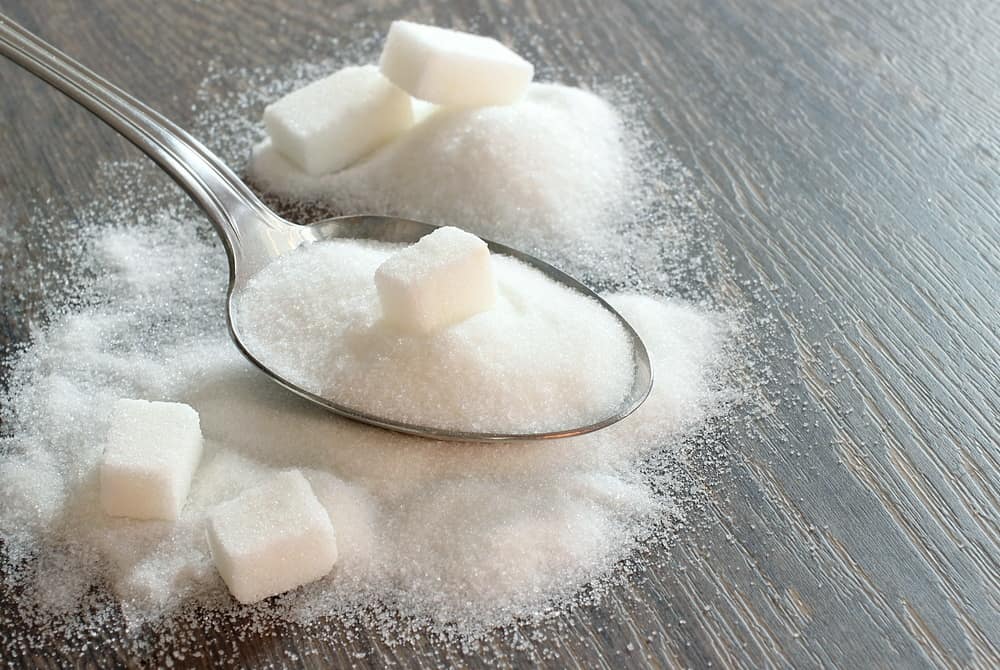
(448, 67)
(473, 534)
(454, 538)
(544, 358)
(332, 122)
(151, 454)
(445, 278)
(271, 538)
(546, 170)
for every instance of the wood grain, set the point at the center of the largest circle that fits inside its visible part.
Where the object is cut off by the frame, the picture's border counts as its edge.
(851, 155)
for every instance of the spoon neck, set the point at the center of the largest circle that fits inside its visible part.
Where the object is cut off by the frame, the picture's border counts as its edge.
(239, 217)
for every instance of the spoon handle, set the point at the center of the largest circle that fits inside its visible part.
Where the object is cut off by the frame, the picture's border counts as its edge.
(232, 207)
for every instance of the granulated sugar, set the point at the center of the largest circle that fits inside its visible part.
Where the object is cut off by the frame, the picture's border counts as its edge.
(544, 358)
(474, 534)
(548, 169)
(450, 538)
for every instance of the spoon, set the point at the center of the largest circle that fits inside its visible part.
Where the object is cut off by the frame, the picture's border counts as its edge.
(253, 235)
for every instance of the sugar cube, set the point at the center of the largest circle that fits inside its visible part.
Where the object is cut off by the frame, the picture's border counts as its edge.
(448, 67)
(446, 277)
(152, 451)
(333, 122)
(271, 538)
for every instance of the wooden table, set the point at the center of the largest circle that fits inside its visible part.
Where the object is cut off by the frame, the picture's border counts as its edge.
(850, 151)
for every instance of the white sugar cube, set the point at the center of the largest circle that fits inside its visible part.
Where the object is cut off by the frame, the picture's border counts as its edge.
(272, 538)
(446, 277)
(333, 122)
(448, 67)
(152, 451)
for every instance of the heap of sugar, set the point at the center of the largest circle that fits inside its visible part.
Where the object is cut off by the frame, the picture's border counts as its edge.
(271, 538)
(466, 535)
(446, 277)
(450, 538)
(519, 174)
(152, 451)
(332, 122)
(448, 67)
(544, 358)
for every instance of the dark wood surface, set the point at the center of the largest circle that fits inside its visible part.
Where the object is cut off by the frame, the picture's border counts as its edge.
(851, 153)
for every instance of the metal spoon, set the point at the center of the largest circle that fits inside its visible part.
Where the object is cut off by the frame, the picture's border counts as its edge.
(253, 235)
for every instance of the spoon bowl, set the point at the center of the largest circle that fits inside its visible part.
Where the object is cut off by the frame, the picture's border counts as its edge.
(253, 235)
(406, 231)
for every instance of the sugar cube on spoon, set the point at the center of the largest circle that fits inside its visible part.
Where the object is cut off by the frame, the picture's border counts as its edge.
(442, 279)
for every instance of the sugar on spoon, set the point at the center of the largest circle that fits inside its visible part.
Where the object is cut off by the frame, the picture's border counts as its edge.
(253, 235)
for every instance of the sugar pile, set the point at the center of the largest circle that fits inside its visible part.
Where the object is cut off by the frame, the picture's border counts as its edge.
(466, 533)
(544, 358)
(549, 169)
(453, 537)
